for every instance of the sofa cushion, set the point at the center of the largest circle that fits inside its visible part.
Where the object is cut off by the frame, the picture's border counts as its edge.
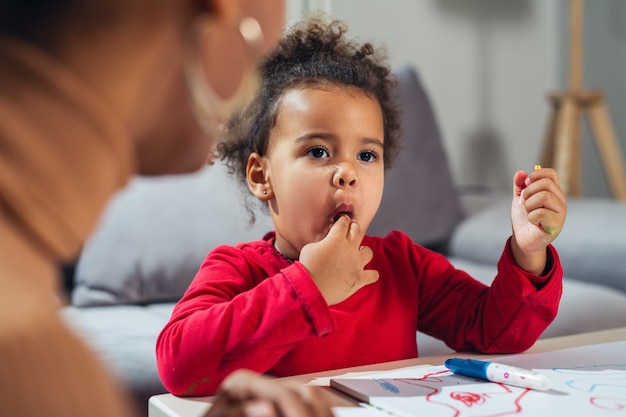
(124, 338)
(481, 237)
(155, 234)
(419, 196)
(592, 245)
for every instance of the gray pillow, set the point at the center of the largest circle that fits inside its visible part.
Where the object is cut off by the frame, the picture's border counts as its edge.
(155, 234)
(419, 197)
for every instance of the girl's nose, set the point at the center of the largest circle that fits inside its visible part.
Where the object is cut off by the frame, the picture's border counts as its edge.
(344, 176)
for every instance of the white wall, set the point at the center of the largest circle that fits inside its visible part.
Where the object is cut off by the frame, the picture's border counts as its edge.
(488, 65)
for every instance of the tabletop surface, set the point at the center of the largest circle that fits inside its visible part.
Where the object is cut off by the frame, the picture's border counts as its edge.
(168, 405)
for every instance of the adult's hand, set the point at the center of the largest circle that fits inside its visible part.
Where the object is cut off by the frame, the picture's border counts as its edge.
(248, 394)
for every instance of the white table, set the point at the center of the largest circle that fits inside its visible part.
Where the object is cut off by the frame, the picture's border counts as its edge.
(168, 405)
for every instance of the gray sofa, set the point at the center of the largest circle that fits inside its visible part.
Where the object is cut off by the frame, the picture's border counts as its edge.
(154, 235)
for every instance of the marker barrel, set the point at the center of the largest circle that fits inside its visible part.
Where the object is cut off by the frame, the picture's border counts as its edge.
(497, 372)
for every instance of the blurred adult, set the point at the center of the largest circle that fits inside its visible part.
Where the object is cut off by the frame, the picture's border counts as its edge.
(91, 93)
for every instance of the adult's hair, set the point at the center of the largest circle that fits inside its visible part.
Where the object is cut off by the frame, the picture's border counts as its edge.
(40, 21)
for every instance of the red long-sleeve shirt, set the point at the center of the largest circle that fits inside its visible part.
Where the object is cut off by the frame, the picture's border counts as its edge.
(249, 307)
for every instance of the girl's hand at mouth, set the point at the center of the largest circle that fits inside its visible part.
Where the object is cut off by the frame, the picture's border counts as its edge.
(337, 262)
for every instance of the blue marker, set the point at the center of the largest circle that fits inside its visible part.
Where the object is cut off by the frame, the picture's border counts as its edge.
(496, 372)
(387, 386)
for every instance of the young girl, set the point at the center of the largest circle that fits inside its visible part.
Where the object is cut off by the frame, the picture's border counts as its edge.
(318, 293)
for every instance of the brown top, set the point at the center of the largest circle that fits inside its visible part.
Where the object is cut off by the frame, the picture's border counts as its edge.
(62, 156)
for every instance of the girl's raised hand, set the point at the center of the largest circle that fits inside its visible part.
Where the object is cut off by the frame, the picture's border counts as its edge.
(537, 213)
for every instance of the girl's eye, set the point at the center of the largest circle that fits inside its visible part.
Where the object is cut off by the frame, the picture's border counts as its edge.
(368, 156)
(318, 152)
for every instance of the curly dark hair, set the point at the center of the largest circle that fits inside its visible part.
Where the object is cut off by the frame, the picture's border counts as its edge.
(313, 52)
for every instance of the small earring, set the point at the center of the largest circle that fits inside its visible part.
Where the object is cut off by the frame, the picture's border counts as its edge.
(211, 110)
(264, 192)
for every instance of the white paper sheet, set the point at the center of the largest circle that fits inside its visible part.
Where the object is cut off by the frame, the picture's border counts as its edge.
(586, 381)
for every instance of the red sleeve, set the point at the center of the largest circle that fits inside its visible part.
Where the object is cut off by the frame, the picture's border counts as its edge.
(506, 317)
(231, 308)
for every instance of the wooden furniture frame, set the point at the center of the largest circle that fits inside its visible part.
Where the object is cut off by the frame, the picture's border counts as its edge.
(562, 150)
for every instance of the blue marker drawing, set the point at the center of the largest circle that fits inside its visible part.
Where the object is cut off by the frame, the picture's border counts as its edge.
(584, 378)
(387, 386)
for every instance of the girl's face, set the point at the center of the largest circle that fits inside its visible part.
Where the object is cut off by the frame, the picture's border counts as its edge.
(325, 158)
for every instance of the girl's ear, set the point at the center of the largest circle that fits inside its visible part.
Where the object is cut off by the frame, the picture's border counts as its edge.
(258, 181)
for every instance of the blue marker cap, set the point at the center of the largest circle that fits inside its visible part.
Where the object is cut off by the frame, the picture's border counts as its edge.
(468, 367)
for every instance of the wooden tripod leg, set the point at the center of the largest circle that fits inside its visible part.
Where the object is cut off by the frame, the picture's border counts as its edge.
(547, 155)
(567, 131)
(608, 148)
(575, 169)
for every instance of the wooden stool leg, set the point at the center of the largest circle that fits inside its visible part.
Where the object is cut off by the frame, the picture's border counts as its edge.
(547, 154)
(576, 171)
(566, 132)
(608, 149)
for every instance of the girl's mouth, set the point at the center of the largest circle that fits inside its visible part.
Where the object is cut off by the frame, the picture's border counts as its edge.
(343, 210)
